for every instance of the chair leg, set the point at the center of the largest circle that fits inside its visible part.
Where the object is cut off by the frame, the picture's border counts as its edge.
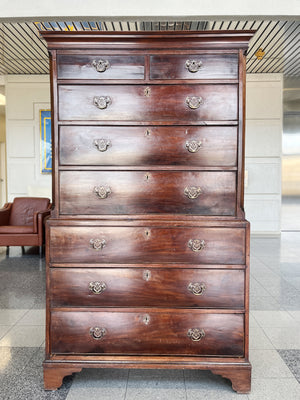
(7, 250)
(23, 250)
(41, 251)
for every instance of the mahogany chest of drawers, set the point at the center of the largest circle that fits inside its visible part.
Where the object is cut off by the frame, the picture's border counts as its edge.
(147, 245)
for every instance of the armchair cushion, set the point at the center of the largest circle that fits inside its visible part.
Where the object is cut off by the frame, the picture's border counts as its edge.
(19, 229)
(22, 222)
(23, 209)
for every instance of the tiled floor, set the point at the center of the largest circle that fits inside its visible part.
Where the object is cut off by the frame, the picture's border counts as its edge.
(274, 337)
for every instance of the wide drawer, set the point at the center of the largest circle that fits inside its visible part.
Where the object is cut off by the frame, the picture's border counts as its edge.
(145, 331)
(148, 103)
(142, 287)
(142, 192)
(171, 145)
(194, 66)
(127, 244)
(100, 67)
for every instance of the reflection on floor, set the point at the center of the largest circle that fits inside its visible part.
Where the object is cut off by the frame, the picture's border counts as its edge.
(274, 337)
(290, 213)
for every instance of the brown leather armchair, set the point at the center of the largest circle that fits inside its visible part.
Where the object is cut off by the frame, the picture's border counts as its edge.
(22, 222)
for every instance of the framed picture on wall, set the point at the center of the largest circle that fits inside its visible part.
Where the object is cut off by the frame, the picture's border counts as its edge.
(45, 140)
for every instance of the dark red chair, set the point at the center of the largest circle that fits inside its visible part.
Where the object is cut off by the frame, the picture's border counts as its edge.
(22, 222)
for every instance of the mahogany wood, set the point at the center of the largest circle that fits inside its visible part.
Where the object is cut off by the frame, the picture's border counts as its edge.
(146, 245)
(213, 66)
(142, 146)
(126, 263)
(144, 332)
(81, 67)
(141, 192)
(53, 377)
(148, 287)
(239, 377)
(163, 103)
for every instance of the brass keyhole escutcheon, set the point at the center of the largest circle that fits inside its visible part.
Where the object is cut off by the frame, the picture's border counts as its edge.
(146, 275)
(147, 133)
(147, 233)
(147, 177)
(146, 319)
(147, 92)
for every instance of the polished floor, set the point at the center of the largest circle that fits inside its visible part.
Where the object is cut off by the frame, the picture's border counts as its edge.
(274, 337)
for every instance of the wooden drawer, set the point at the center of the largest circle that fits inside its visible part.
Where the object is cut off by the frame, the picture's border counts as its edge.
(142, 192)
(144, 331)
(146, 287)
(100, 67)
(128, 244)
(148, 103)
(165, 145)
(194, 66)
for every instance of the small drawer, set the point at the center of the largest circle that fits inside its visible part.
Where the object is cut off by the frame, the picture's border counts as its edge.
(152, 145)
(143, 331)
(146, 287)
(100, 67)
(194, 66)
(131, 245)
(142, 192)
(141, 103)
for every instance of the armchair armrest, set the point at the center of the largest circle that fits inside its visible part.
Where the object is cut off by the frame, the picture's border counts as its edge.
(38, 220)
(38, 224)
(5, 214)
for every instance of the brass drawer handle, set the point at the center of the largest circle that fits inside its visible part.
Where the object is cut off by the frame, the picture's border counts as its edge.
(196, 244)
(102, 192)
(193, 65)
(98, 244)
(102, 101)
(193, 146)
(192, 192)
(194, 102)
(196, 334)
(97, 287)
(97, 333)
(102, 144)
(197, 288)
(101, 65)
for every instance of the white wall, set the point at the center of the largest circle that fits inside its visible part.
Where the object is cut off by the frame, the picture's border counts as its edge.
(25, 96)
(263, 152)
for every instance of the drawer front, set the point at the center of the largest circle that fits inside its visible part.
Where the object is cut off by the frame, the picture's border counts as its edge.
(148, 103)
(173, 145)
(100, 67)
(125, 245)
(147, 332)
(142, 287)
(194, 66)
(142, 192)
